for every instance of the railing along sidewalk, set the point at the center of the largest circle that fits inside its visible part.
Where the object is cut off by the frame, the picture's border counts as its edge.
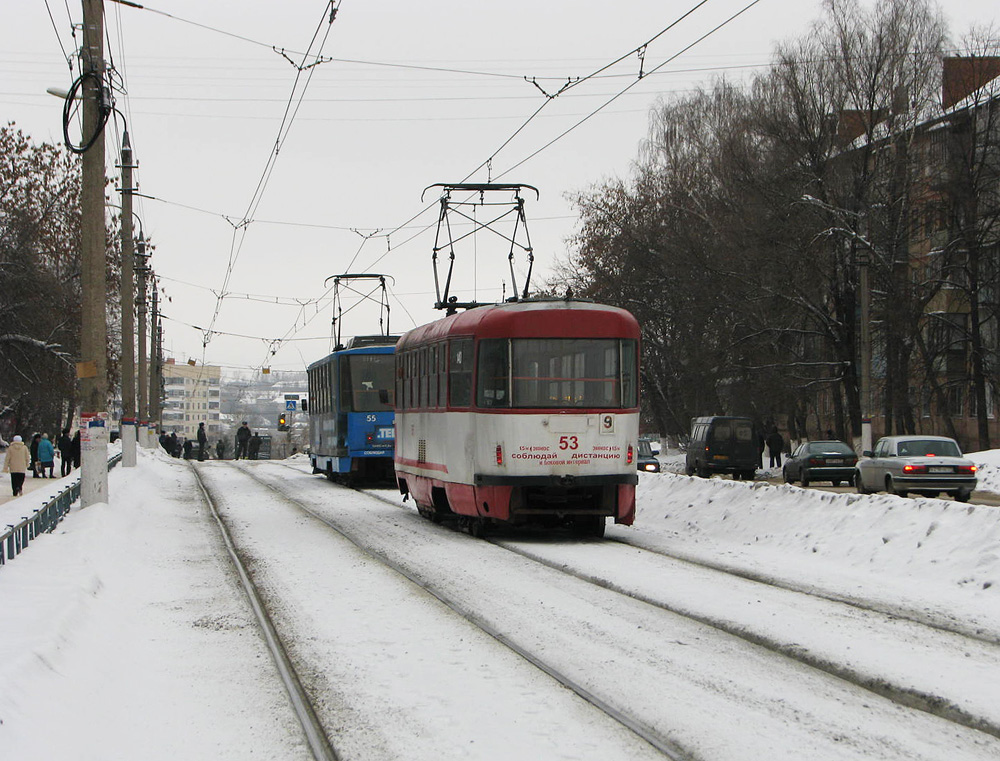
(15, 538)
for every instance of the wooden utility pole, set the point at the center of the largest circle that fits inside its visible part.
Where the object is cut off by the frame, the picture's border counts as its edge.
(93, 367)
(128, 311)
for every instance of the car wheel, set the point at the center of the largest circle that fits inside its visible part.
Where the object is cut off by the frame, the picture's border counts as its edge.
(890, 488)
(859, 485)
(963, 496)
(689, 470)
(835, 482)
(702, 470)
(784, 473)
(804, 478)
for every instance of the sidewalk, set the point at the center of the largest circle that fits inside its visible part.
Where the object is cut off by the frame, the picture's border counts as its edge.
(52, 486)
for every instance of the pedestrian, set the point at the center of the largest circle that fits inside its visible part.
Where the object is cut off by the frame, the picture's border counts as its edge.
(220, 450)
(829, 434)
(65, 444)
(46, 457)
(76, 449)
(202, 441)
(33, 449)
(254, 446)
(188, 446)
(242, 441)
(16, 463)
(775, 443)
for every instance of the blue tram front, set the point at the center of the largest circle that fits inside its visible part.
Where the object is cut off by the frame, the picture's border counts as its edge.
(351, 395)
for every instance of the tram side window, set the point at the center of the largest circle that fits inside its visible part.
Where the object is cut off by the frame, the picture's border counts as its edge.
(443, 375)
(460, 372)
(493, 373)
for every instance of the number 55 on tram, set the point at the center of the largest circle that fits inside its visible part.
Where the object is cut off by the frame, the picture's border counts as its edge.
(521, 413)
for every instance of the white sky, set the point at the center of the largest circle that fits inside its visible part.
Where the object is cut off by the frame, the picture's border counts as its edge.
(128, 627)
(204, 111)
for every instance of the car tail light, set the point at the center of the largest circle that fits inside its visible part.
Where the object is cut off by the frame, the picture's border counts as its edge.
(499, 454)
(815, 461)
(630, 454)
(966, 468)
(914, 468)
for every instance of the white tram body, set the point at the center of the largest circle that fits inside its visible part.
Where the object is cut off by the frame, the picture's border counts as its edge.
(523, 412)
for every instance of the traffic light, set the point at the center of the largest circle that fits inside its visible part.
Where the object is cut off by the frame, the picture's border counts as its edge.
(283, 422)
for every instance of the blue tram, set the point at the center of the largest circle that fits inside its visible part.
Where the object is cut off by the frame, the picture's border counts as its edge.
(351, 397)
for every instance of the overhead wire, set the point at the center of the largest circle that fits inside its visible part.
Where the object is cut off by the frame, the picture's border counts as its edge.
(292, 106)
(291, 109)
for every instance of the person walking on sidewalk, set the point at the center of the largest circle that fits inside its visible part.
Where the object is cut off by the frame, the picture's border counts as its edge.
(16, 463)
(33, 451)
(65, 444)
(46, 457)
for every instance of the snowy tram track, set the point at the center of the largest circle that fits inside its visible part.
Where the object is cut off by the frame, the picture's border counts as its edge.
(958, 677)
(716, 695)
(316, 738)
(667, 747)
(392, 674)
(858, 642)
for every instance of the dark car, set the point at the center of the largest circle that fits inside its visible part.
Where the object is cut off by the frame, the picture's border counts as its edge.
(646, 459)
(831, 461)
(723, 444)
(927, 465)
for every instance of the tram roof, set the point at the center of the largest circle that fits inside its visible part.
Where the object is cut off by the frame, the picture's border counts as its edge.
(533, 318)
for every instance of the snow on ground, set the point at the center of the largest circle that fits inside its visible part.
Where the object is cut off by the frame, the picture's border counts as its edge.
(143, 583)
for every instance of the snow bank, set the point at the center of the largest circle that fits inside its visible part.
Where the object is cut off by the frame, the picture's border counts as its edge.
(947, 550)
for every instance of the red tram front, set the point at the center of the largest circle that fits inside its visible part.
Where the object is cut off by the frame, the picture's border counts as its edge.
(523, 412)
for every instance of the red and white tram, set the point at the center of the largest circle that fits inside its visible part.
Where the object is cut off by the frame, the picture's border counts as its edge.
(524, 412)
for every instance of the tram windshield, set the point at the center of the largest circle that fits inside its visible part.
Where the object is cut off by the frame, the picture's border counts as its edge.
(557, 372)
(366, 382)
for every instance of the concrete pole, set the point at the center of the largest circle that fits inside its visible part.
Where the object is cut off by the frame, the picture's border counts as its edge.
(866, 351)
(143, 380)
(128, 422)
(93, 367)
(155, 427)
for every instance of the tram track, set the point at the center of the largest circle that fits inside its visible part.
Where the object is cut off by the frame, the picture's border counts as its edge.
(319, 743)
(903, 695)
(929, 702)
(664, 745)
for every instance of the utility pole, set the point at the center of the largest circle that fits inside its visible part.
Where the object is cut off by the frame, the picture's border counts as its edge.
(866, 351)
(128, 311)
(143, 381)
(93, 367)
(155, 337)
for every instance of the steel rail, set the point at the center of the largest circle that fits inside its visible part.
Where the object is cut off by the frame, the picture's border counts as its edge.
(319, 744)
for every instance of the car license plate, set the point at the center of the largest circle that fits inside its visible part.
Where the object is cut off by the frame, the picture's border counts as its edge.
(939, 469)
(721, 457)
(835, 461)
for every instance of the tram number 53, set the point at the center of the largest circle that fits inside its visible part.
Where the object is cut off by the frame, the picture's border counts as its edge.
(569, 442)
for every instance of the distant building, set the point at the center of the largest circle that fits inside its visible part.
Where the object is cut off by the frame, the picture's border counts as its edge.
(191, 396)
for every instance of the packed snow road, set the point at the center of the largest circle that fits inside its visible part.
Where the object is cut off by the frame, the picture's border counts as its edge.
(713, 666)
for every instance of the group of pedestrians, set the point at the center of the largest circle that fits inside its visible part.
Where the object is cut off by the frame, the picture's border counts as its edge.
(247, 445)
(39, 458)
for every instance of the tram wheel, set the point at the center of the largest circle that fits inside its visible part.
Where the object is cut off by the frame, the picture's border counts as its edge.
(589, 525)
(477, 527)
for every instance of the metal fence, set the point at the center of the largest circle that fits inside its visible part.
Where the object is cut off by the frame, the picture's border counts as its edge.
(15, 538)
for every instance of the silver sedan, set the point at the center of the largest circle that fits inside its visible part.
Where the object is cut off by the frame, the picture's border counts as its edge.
(927, 465)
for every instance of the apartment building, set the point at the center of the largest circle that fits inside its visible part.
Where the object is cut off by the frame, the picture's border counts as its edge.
(192, 395)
